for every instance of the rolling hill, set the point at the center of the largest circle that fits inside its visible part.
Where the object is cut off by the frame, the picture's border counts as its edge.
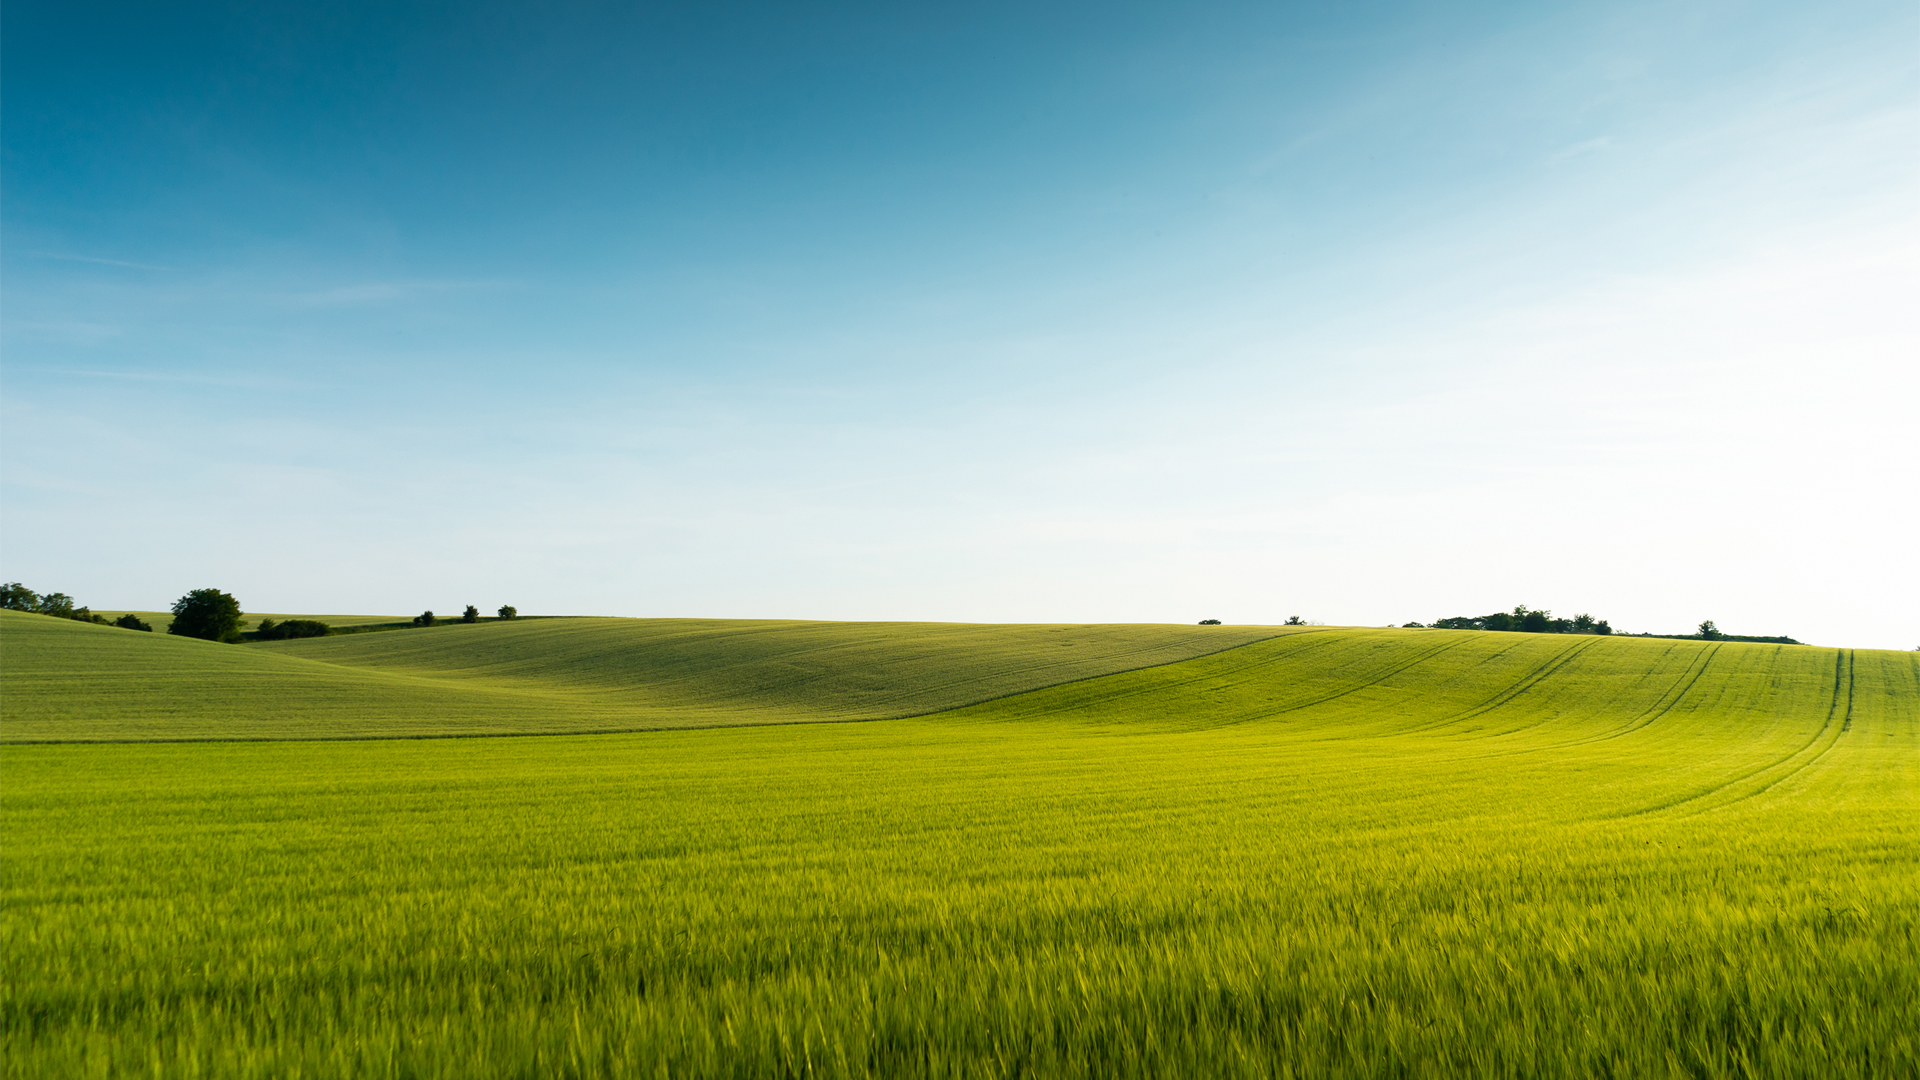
(1076, 851)
(73, 681)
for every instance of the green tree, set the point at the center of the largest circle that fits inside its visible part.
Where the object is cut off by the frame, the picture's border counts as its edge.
(508, 611)
(1709, 631)
(17, 597)
(472, 614)
(130, 621)
(207, 614)
(57, 604)
(425, 618)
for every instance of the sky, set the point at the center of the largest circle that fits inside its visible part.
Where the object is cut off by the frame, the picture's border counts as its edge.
(1362, 313)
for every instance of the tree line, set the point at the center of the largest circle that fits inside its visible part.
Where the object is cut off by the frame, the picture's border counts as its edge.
(17, 597)
(1525, 620)
(1522, 619)
(206, 614)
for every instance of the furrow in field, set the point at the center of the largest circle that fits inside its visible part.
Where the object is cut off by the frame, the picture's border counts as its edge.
(1526, 682)
(1846, 724)
(1665, 705)
(1841, 691)
(1418, 659)
(1111, 694)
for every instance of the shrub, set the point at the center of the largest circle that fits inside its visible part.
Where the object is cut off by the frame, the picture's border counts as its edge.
(472, 614)
(425, 618)
(292, 628)
(508, 611)
(207, 614)
(130, 621)
(1209, 622)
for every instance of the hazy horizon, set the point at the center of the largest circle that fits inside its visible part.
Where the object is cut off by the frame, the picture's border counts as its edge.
(1366, 315)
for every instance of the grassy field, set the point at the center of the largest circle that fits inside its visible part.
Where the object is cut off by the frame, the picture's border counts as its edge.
(73, 681)
(1336, 852)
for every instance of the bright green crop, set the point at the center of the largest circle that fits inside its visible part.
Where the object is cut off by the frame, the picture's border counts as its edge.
(1366, 853)
(70, 681)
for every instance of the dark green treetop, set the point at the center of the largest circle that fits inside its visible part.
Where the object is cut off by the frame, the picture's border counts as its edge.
(207, 614)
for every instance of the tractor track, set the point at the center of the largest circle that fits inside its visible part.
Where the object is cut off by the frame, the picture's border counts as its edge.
(1842, 664)
(1526, 682)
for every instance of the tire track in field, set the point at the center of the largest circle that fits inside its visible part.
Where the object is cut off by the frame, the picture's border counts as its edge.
(1842, 663)
(1154, 689)
(1846, 725)
(1661, 706)
(1527, 682)
(1375, 681)
(1664, 705)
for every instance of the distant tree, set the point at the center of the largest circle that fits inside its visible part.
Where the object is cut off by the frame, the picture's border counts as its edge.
(1209, 622)
(1709, 631)
(17, 597)
(207, 614)
(1528, 621)
(1295, 620)
(1583, 624)
(1414, 625)
(57, 604)
(472, 614)
(508, 611)
(1601, 627)
(130, 621)
(425, 618)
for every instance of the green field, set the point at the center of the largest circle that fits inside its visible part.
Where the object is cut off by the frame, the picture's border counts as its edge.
(1075, 851)
(74, 681)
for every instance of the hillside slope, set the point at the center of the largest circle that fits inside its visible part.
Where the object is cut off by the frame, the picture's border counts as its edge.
(63, 680)
(1676, 727)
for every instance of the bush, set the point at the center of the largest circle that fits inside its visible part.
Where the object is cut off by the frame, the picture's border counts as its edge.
(472, 614)
(508, 611)
(292, 628)
(207, 614)
(1295, 620)
(425, 618)
(1209, 622)
(130, 621)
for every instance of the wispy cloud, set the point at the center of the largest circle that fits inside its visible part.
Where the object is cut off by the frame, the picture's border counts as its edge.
(378, 292)
(96, 260)
(69, 332)
(192, 378)
(1580, 149)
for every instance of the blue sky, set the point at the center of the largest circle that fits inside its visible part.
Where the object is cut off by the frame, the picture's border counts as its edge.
(1364, 313)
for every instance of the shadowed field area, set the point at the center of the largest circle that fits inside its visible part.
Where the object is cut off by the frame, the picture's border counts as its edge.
(72, 681)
